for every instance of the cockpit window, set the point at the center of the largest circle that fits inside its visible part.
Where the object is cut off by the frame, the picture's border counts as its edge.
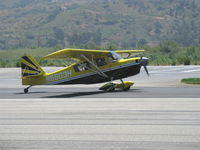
(100, 62)
(82, 66)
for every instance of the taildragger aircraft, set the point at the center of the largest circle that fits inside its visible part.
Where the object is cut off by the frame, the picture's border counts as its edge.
(90, 67)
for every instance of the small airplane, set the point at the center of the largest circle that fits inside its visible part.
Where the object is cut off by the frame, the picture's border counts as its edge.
(89, 67)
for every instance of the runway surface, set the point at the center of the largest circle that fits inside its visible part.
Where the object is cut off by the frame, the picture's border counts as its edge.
(87, 124)
(158, 113)
(135, 92)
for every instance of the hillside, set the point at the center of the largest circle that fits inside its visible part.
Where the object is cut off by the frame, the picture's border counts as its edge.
(127, 23)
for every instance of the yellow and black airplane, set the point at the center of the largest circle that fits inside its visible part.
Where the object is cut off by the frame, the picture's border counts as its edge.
(90, 67)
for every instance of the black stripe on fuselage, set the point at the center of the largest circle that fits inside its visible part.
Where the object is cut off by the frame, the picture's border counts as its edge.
(28, 74)
(25, 67)
(116, 74)
(29, 61)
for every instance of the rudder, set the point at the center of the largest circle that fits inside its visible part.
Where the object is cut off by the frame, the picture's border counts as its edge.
(30, 67)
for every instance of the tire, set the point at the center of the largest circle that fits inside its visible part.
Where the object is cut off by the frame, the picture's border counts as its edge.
(111, 89)
(26, 91)
(127, 88)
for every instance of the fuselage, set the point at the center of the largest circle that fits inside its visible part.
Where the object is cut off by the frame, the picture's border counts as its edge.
(77, 74)
(84, 73)
(115, 72)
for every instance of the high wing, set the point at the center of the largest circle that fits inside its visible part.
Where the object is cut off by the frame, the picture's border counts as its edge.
(77, 54)
(129, 53)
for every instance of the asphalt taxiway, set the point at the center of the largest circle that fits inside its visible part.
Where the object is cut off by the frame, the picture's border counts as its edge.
(80, 92)
(158, 113)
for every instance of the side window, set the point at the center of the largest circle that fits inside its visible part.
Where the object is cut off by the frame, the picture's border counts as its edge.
(100, 62)
(82, 66)
(76, 68)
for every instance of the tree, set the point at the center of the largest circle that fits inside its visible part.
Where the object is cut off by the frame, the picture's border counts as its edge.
(111, 46)
(97, 37)
(59, 35)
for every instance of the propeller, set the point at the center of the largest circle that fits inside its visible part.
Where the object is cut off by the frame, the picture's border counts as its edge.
(144, 61)
(145, 68)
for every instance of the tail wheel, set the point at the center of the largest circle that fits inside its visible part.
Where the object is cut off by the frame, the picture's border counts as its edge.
(26, 90)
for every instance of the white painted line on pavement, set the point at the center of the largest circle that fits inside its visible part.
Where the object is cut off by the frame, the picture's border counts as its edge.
(196, 70)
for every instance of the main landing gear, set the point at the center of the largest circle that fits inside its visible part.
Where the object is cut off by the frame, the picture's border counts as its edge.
(125, 85)
(111, 86)
(26, 89)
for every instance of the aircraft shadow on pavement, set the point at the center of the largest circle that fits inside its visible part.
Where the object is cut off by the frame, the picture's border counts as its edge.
(79, 94)
(22, 93)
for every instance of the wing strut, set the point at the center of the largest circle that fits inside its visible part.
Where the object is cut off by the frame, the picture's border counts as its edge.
(101, 73)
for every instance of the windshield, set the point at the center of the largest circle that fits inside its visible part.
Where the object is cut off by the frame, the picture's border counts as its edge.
(114, 56)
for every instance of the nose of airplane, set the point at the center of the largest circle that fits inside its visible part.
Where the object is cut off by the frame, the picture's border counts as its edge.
(144, 62)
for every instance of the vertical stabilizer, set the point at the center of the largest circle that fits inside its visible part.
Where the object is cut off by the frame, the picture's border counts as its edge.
(30, 67)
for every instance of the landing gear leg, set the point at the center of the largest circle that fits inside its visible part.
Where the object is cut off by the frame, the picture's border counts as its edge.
(111, 88)
(124, 87)
(26, 89)
(122, 83)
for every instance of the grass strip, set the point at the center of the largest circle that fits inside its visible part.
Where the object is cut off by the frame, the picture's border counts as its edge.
(191, 80)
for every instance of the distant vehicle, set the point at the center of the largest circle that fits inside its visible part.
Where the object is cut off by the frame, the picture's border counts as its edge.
(90, 67)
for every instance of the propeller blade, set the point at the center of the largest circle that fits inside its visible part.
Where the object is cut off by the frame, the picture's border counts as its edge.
(145, 68)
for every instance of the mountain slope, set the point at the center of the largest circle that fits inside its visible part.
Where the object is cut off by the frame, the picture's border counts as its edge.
(128, 23)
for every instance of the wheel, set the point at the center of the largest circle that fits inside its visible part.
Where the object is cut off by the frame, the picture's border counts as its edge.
(111, 89)
(25, 90)
(127, 88)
